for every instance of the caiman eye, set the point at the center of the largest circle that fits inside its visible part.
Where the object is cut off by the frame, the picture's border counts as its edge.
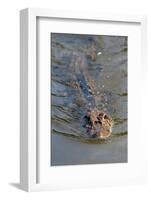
(105, 117)
(101, 115)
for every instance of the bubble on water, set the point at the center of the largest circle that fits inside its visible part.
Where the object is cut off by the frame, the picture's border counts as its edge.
(98, 92)
(65, 94)
(99, 53)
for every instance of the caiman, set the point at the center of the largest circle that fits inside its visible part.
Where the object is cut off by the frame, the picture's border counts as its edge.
(97, 123)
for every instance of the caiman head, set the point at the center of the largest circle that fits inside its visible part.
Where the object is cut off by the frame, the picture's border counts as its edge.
(99, 124)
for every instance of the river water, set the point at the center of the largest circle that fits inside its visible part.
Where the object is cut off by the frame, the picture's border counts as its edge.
(104, 64)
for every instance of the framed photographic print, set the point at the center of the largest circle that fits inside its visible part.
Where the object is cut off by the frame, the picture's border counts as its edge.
(82, 78)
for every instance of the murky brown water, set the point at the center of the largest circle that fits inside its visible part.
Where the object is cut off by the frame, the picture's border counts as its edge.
(104, 64)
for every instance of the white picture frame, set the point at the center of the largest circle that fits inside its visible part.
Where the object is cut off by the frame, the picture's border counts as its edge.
(29, 142)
